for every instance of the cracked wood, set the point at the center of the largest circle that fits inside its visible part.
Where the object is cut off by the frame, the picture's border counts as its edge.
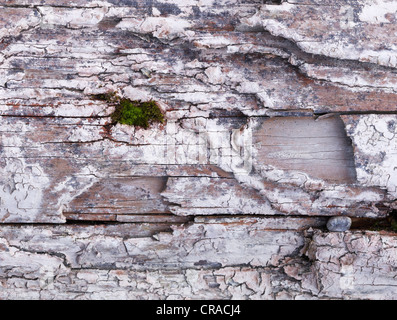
(279, 114)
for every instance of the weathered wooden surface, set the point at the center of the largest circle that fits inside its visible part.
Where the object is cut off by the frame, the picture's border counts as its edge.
(280, 114)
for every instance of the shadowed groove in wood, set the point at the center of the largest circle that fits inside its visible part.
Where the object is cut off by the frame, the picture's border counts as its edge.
(111, 197)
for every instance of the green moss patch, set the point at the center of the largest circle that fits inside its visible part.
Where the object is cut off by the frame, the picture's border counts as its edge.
(132, 112)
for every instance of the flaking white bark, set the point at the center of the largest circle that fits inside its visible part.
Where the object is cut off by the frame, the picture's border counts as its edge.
(278, 117)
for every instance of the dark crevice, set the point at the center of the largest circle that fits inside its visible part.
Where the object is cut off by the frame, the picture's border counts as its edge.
(319, 113)
(275, 2)
(387, 224)
(103, 222)
(291, 47)
(268, 2)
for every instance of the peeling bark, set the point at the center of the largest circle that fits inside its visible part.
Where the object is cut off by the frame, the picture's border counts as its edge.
(279, 115)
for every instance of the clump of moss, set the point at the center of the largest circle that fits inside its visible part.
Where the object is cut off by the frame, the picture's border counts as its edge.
(132, 112)
(137, 113)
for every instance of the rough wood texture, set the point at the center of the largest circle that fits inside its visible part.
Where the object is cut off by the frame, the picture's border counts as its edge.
(280, 114)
